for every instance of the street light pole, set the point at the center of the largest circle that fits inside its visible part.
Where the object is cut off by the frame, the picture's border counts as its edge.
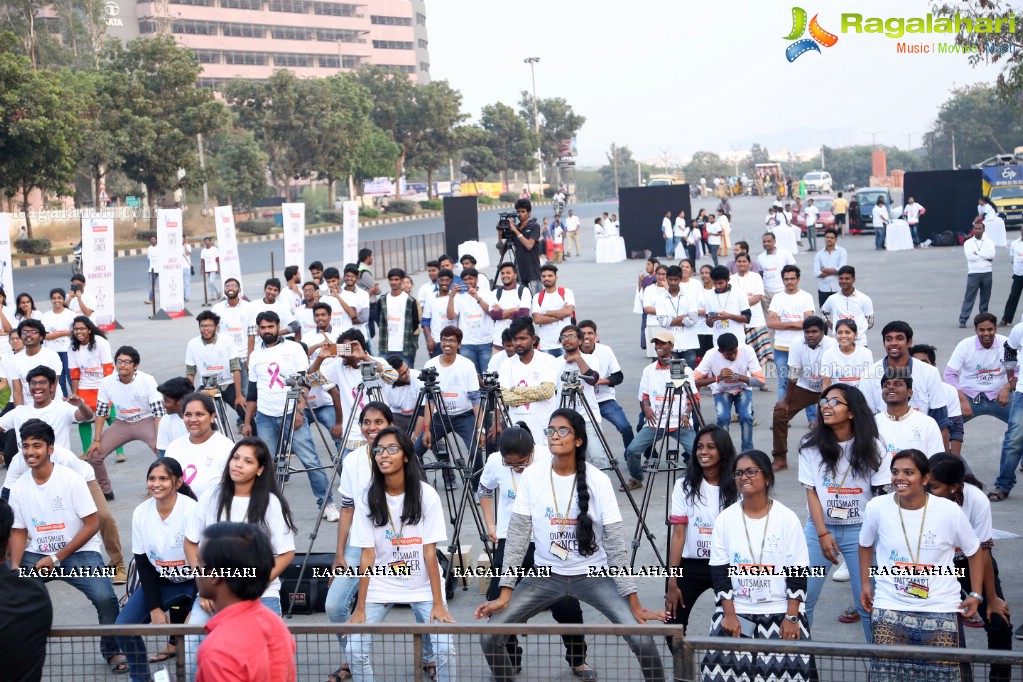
(536, 121)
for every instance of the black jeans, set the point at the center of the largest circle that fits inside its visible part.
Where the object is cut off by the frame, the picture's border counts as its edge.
(999, 633)
(1014, 294)
(823, 296)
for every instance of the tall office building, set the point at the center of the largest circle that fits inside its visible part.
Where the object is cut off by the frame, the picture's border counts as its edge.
(253, 38)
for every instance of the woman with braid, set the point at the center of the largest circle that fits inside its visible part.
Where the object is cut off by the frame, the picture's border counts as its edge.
(569, 511)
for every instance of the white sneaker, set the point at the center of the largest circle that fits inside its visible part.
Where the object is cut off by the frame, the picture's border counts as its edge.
(842, 574)
(332, 514)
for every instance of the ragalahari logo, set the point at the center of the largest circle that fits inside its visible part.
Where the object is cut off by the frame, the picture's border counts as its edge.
(817, 36)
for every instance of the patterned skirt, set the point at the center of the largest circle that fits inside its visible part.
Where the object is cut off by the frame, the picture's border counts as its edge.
(914, 628)
(760, 339)
(728, 665)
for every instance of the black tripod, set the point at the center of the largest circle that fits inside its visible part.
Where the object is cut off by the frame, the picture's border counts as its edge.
(371, 386)
(211, 387)
(665, 459)
(572, 396)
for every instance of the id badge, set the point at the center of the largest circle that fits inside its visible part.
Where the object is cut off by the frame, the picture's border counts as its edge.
(398, 567)
(840, 513)
(759, 595)
(918, 589)
(559, 551)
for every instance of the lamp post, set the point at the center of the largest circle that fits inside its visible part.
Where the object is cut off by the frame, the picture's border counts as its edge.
(536, 121)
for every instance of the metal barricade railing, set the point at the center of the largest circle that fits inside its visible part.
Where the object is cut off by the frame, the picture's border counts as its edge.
(408, 253)
(397, 651)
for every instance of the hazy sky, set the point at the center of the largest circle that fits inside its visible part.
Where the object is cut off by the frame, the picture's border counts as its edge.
(689, 75)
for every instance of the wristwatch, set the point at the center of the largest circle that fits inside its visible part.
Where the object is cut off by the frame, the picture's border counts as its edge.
(976, 596)
(55, 560)
(792, 619)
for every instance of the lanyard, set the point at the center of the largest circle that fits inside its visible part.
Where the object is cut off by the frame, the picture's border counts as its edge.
(554, 494)
(920, 537)
(838, 491)
(763, 540)
(390, 520)
(515, 486)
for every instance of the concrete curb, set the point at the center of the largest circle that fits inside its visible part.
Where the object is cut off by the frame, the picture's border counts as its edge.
(125, 253)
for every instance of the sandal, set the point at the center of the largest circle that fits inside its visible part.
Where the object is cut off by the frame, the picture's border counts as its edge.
(850, 615)
(431, 670)
(118, 664)
(169, 651)
(342, 673)
(973, 622)
(997, 495)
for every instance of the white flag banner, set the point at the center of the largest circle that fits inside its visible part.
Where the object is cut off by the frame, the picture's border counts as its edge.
(350, 232)
(227, 245)
(6, 264)
(170, 261)
(294, 234)
(98, 267)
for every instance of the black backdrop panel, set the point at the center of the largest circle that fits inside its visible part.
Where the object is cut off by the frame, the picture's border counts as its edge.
(641, 212)
(461, 223)
(950, 197)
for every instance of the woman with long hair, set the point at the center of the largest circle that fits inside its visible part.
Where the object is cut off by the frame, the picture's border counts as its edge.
(58, 321)
(25, 308)
(950, 480)
(157, 532)
(704, 490)
(700, 222)
(848, 362)
(204, 451)
(398, 523)
(907, 530)
(584, 532)
(756, 535)
(89, 359)
(843, 465)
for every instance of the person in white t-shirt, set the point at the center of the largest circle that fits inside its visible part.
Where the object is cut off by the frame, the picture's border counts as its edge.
(90, 359)
(584, 532)
(202, 452)
(55, 527)
(849, 303)
(236, 316)
(668, 235)
(528, 380)
(172, 426)
(508, 301)
(912, 212)
(758, 533)
(771, 262)
(757, 335)
(575, 360)
(209, 256)
(435, 311)
(906, 608)
(153, 275)
(785, 316)
(398, 522)
(79, 300)
(398, 331)
(572, 224)
(879, 219)
(810, 215)
(847, 362)
(900, 426)
(650, 293)
(355, 301)
(215, 354)
(59, 414)
(471, 308)
(714, 231)
(726, 308)
(732, 370)
(610, 373)
(678, 312)
(271, 302)
(553, 308)
(35, 354)
(976, 371)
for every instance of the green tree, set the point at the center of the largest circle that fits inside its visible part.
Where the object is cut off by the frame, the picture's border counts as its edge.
(159, 109)
(376, 157)
(478, 161)
(99, 150)
(983, 122)
(39, 128)
(1002, 48)
(439, 111)
(511, 140)
(558, 122)
(338, 109)
(238, 167)
(707, 165)
(620, 158)
(757, 154)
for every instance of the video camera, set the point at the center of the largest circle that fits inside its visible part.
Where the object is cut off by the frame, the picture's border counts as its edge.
(491, 379)
(428, 375)
(504, 225)
(210, 382)
(368, 370)
(677, 366)
(570, 378)
(297, 380)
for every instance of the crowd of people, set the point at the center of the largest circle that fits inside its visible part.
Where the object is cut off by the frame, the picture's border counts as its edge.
(891, 500)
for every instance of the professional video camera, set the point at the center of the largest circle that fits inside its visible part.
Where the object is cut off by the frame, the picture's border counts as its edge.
(297, 380)
(491, 379)
(428, 375)
(504, 225)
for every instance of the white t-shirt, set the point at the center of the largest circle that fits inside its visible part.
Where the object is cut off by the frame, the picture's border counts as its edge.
(1015, 342)
(952, 401)
(751, 285)
(542, 368)
(73, 306)
(235, 322)
(425, 291)
(572, 223)
(152, 254)
(977, 508)
(847, 369)
(356, 475)
(879, 216)
(435, 314)
(475, 323)
(739, 545)
(17, 467)
(59, 322)
(1015, 255)
(498, 359)
(945, 528)
(806, 363)
(347, 380)
(558, 234)
(714, 231)
(857, 307)
(732, 301)
(455, 383)
(205, 514)
(980, 369)
(771, 265)
(653, 384)
(359, 300)
(202, 465)
(171, 428)
(916, 430)
(928, 393)
(912, 212)
(133, 400)
(210, 258)
(285, 311)
(400, 546)
(549, 499)
(58, 414)
(511, 299)
(545, 301)
(163, 540)
(668, 308)
(790, 308)
(505, 481)
(651, 295)
(304, 316)
(395, 322)
(842, 488)
(90, 363)
(269, 367)
(605, 362)
(810, 214)
(21, 364)
(699, 515)
(745, 363)
(212, 358)
(52, 513)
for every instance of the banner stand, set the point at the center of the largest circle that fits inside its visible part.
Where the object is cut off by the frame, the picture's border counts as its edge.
(98, 268)
(162, 314)
(171, 265)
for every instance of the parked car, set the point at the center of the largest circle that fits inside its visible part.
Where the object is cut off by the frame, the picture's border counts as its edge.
(817, 182)
(867, 196)
(825, 218)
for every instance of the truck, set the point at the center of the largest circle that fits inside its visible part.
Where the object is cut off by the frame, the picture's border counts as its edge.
(660, 179)
(1003, 184)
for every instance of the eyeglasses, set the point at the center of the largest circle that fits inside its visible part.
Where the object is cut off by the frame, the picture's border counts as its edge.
(568, 336)
(80, 329)
(389, 449)
(748, 473)
(831, 402)
(124, 361)
(40, 384)
(29, 332)
(518, 465)
(562, 431)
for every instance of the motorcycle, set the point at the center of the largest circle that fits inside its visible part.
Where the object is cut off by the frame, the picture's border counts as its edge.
(76, 262)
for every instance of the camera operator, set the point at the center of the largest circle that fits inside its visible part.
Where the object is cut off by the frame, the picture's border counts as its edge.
(271, 364)
(404, 393)
(78, 301)
(526, 237)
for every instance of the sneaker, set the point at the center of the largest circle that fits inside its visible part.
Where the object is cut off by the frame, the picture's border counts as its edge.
(120, 576)
(842, 574)
(1019, 632)
(331, 513)
(109, 496)
(121, 459)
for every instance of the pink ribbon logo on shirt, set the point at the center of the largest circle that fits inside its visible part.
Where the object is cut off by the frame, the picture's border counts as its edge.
(275, 375)
(188, 475)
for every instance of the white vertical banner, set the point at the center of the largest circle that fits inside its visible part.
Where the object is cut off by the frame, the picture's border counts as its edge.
(294, 234)
(350, 232)
(170, 261)
(227, 245)
(6, 264)
(98, 267)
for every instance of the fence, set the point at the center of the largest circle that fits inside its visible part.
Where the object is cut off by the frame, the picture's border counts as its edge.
(397, 652)
(408, 253)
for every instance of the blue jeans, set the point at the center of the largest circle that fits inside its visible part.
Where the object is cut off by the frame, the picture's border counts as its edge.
(743, 402)
(879, 233)
(781, 362)
(613, 412)
(154, 281)
(99, 591)
(556, 352)
(361, 646)
(213, 287)
(479, 353)
(64, 380)
(646, 437)
(302, 445)
(136, 613)
(1012, 444)
(914, 229)
(186, 274)
(325, 416)
(461, 424)
(848, 540)
(197, 616)
(669, 248)
(983, 405)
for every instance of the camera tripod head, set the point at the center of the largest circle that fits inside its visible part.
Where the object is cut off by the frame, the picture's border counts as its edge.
(297, 381)
(209, 382)
(570, 380)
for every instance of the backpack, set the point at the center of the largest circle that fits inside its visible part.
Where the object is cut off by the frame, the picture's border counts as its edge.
(501, 289)
(561, 293)
(946, 238)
